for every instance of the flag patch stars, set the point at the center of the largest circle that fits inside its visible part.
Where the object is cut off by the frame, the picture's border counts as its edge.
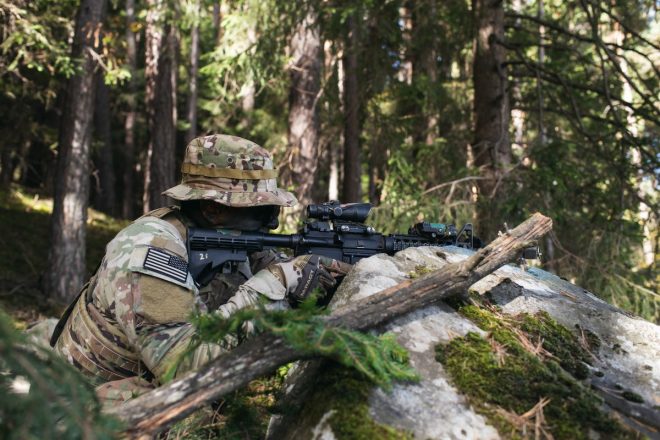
(166, 264)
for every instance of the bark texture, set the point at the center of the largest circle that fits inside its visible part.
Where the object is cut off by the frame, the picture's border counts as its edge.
(491, 148)
(192, 80)
(105, 196)
(305, 73)
(129, 200)
(154, 411)
(160, 74)
(425, 66)
(66, 270)
(351, 189)
(6, 165)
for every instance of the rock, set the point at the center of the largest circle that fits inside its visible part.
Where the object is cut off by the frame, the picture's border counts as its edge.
(629, 352)
(434, 408)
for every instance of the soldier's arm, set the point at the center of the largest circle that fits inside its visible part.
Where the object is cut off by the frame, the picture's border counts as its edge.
(160, 331)
(144, 282)
(262, 259)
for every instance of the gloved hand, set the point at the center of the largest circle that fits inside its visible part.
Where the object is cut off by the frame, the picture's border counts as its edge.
(291, 280)
(294, 279)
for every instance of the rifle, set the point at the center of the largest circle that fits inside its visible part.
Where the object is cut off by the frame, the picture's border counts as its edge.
(331, 230)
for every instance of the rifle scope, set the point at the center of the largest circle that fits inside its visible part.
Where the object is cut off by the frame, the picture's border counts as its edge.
(352, 212)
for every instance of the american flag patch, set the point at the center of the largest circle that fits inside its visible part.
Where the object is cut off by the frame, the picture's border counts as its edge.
(167, 265)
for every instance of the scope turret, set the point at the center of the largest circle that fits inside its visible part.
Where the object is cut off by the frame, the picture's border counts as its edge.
(333, 210)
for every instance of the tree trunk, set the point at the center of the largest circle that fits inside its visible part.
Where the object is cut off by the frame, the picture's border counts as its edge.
(378, 155)
(128, 178)
(305, 76)
(160, 74)
(644, 190)
(426, 66)
(491, 148)
(351, 191)
(105, 198)
(66, 270)
(22, 160)
(333, 179)
(6, 165)
(192, 80)
(249, 88)
(550, 263)
(154, 411)
(336, 146)
(219, 9)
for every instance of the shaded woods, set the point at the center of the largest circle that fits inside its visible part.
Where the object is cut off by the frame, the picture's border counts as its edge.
(480, 111)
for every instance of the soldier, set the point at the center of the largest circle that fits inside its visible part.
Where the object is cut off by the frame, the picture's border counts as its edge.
(129, 323)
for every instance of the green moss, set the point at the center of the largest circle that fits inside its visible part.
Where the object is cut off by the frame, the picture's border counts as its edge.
(559, 341)
(242, 419)
(500, 375)
(541, 329)
(420, 270)
(484, 319)
(243, 414)
(346, 393)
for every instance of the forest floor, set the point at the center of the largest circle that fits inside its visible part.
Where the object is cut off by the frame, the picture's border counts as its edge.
(24, 243)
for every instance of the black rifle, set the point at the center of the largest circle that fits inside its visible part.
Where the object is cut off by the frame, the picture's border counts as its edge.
(332, 230)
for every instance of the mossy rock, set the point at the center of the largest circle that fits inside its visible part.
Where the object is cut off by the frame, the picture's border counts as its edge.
(490, 383)
(516, 388)
(338, 406)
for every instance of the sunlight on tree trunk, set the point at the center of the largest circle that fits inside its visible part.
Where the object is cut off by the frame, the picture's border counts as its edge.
(305, 72)
(68, 230)
(643, 187)
(128, 178)
(192, 80)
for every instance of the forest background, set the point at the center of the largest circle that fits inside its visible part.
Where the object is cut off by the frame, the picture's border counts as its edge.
(454, 111)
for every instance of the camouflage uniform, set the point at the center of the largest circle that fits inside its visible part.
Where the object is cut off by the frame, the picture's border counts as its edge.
(130, 322)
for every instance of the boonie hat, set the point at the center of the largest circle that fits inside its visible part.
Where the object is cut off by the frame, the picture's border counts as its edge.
(229, 170)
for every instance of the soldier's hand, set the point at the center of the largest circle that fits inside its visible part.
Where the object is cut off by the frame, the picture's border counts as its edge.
(301, 275)
(294, 279)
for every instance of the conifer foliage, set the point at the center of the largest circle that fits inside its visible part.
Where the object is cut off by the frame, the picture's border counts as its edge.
(43, 396)
(380, 358)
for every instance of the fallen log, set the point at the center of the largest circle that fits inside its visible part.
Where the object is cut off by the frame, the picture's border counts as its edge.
(153, 412)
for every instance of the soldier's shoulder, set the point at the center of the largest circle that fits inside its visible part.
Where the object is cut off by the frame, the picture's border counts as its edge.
(151, 246)
(151, 231)
(150, 225)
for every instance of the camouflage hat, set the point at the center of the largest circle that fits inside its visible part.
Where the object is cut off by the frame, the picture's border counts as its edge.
(229, 170)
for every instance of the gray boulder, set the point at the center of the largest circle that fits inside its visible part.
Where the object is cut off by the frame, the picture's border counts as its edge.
(628, 356)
